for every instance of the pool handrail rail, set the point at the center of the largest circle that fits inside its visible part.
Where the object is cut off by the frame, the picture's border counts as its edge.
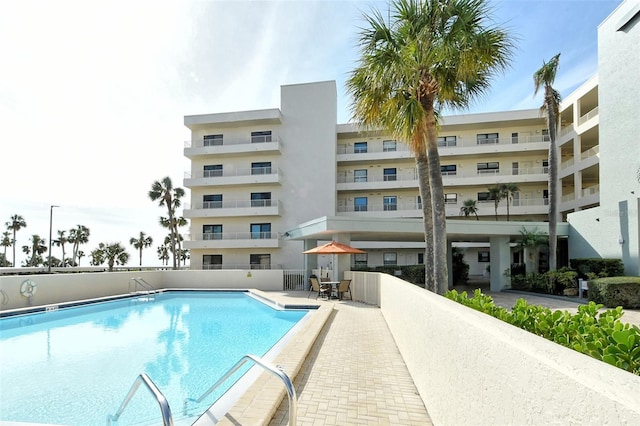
(275, 370)
(139, 281)
(167, 419)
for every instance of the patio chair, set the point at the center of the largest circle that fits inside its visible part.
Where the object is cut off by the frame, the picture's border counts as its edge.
(343, 288)
(320, 289)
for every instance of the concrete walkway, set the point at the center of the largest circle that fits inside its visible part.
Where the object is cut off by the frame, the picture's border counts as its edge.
(355, 375)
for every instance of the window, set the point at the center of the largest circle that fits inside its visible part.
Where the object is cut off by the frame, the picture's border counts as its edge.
(360, 147)
(390, 203)
(451, 198)
(492, 167)
(447, 141)
(545, 166)
(515, 168)
(261, 168)
(260, 261)
(389, 174)
(261, 137)
(211, 261)
(360, 259)
(419, 202)
(448, 169)
(483, 256)
(484, 197)
(360, 204)
(260, 199)
(545, 196)
(212, 140)
(388, 146)
(485, 138)
(545, 135)
(260, 231)
(211, 232)
(212, 201)
(390, 258)
(420, 258)
(514, 137)
(360, 175)
(212, 170)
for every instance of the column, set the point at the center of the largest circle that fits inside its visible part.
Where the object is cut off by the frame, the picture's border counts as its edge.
(500, 253)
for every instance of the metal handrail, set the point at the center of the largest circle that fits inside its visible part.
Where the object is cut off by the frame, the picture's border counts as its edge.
(275, 370)
(167, 420)
(5, 297)
(142, 283)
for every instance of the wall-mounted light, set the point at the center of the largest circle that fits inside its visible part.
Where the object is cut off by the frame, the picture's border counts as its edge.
(597, 219)
(620, 240)
(249, 274)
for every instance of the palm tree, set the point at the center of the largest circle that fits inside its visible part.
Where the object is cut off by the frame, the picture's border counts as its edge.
(432, 54)
(60, 242)
(507, 190)
(37, 248)
(16, 224)
(163, 254)
(545, 77)
(78, 235)
(6, 242)
(114, 253)
(141, 243)
(495, 194)
(468, 208)
(80, 256)
(168, 196)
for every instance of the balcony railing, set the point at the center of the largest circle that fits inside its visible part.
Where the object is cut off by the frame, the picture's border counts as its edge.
(592, 190)
(452, 207)
(232, 204)
(588, 116)
(228, 141)
(234, 236)
(254, 171)
(212, 266)
(592, 152)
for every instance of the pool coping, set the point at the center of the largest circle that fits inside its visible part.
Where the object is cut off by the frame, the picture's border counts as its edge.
(259, 403)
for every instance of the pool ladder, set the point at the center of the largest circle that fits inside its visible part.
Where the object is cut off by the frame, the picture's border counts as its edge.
(147, 288)
(167, 420)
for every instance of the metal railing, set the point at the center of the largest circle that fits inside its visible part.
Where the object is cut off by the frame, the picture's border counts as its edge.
(5, 297)
(242, 172)
(228, 141)
(167, 420)
(140, 282)
(275, 370)
(233, 204)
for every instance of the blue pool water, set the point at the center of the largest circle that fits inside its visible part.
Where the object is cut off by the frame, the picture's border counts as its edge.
(74, 366)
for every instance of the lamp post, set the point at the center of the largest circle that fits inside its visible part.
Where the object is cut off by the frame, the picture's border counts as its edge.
(50, 229)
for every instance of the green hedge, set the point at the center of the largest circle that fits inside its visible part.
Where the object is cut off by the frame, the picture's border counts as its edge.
(615, 291)
(599, 335)
(598, 267)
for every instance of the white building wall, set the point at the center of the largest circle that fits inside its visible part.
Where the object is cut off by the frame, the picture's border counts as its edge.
(612, 230)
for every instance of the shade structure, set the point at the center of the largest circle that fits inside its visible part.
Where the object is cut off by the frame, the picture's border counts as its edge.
(334, 248)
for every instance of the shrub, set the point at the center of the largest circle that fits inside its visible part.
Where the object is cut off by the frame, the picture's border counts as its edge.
(600, 267)
(616, 291)
(601, 336)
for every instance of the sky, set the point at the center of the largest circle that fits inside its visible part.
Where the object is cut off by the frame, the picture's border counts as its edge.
(93, 93)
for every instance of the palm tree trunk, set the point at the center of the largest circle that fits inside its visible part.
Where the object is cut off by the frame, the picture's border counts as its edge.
(437, 203)
(422, 166)
(553, 191)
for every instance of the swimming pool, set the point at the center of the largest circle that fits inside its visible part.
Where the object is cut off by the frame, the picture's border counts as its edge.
(74, 366)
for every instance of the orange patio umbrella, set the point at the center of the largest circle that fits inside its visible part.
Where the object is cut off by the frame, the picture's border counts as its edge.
(333, 248)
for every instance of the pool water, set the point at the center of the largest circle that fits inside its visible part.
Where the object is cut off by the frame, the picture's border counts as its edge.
(74, 366)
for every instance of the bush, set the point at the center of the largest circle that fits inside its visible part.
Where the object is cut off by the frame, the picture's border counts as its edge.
(601, 336)
(616, 291)
(600, 267)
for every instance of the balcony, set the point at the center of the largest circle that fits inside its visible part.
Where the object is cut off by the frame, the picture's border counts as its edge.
(232, 240)
(249, 176)
(588, 197)
(588, 116)
(405, 179)
(518, 207)
(255, 145)
(374, 152)
(232, 208)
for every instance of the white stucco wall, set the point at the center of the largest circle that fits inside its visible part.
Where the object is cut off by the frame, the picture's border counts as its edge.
(472, 369)
(612, 230)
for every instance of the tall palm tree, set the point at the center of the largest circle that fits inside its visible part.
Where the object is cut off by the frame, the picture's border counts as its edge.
(468, 208)
(115, 253)
(507, 190)
(37, 248)
(17, 223)
(77, 236)
(495, 194)
(6, 242)
(431, 54)
(141, 243)
(60, 242)
(545, 77)
(169, 197)
(163, 254)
